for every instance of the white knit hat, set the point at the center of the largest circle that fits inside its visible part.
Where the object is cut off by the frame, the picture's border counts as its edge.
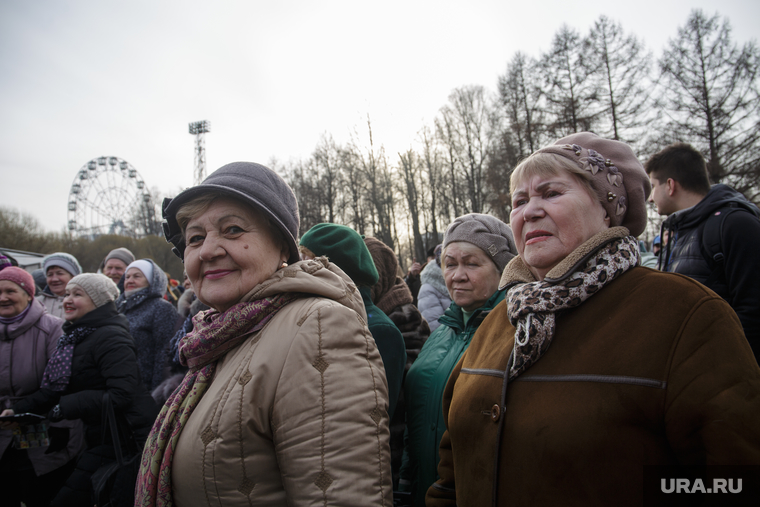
(145, 267)
(100, 288)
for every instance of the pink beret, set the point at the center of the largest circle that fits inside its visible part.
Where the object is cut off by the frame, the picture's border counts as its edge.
(20, 278)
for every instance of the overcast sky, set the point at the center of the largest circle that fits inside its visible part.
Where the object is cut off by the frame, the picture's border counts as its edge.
(81, 79)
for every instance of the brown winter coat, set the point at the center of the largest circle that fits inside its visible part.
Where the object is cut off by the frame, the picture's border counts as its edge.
(297, 413)
(653, 369)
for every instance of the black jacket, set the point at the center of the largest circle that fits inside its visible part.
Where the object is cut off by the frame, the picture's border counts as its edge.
(740, 245)
(106, 360)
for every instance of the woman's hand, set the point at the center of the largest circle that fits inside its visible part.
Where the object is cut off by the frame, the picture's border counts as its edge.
(7, 425)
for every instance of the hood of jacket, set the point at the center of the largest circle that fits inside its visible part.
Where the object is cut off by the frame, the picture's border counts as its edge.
(432, 274)
(719, 196)
(156, 289)
(12, 331)
(317, 277)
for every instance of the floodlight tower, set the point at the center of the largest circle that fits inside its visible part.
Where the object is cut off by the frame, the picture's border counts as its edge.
(199, 129)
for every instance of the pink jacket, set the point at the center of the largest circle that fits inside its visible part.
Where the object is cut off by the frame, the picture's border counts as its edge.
(25, 348)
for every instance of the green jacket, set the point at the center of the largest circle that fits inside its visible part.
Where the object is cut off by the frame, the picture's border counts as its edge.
(390, 344)
(423, 392)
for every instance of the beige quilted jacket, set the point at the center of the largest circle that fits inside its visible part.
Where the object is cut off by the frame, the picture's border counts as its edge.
(297, 414)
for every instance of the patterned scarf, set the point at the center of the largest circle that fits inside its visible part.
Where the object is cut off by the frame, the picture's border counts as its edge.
(213, 336)
(533, 306)
(58, 370)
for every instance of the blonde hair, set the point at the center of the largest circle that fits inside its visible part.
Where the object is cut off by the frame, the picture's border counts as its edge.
(550, 164)
(195, 207)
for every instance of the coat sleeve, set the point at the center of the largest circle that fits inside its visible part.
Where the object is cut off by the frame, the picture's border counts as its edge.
(443, 492)
(330, 419)
(712, 403)
(54, 333)
(41, 401)
(116, 362)
(741, 242)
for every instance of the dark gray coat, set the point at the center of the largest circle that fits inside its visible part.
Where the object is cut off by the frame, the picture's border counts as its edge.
(152, 323)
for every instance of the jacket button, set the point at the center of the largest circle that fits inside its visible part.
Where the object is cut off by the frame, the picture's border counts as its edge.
(495, 412)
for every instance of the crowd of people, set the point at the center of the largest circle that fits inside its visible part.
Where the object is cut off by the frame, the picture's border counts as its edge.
(545, 361)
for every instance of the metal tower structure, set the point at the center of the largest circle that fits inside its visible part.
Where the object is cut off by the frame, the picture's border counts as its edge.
(199, 129)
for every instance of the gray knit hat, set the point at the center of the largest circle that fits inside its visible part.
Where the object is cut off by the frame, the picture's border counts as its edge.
(121, 254)
(100, 288)
(252, 183)
(488, 233)
(62, 260)
(618, 178)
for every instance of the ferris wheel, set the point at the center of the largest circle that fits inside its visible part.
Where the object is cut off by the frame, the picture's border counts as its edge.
(108, 196)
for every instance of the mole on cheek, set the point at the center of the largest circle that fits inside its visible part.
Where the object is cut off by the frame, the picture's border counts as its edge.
(245, 246)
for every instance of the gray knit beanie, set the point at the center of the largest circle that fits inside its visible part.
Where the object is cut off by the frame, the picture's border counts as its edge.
(121, 254)
(100, 288)
(254, 184)
(62, 260)
(488, 233)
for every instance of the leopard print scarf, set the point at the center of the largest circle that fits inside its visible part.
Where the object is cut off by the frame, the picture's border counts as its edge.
(533, 306)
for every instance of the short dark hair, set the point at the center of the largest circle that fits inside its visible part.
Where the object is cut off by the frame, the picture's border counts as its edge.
(683, 163)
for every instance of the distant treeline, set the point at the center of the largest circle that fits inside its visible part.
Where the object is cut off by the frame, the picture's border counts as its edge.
(21, 231)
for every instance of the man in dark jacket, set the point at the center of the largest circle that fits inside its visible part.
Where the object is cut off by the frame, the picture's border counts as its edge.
(714, 232)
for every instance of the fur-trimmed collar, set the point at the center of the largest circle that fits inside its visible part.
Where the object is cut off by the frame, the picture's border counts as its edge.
(517, 271)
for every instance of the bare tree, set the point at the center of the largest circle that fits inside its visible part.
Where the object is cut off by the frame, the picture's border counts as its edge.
(355, 190)
(434, 179)
(468, 119)
(520, 95)
(571, 95)
(22, 231)
(146, 219)
(301, 178)
(328, 158)
(712, 100)
(368, 175)
(450, 183)
(503, 159)
(410, 169)
(621, 67)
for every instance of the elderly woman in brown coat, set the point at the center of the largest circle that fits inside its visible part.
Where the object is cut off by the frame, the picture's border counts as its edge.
(593, 367)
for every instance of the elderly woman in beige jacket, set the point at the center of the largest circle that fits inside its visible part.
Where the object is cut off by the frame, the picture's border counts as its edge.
(286, 400)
